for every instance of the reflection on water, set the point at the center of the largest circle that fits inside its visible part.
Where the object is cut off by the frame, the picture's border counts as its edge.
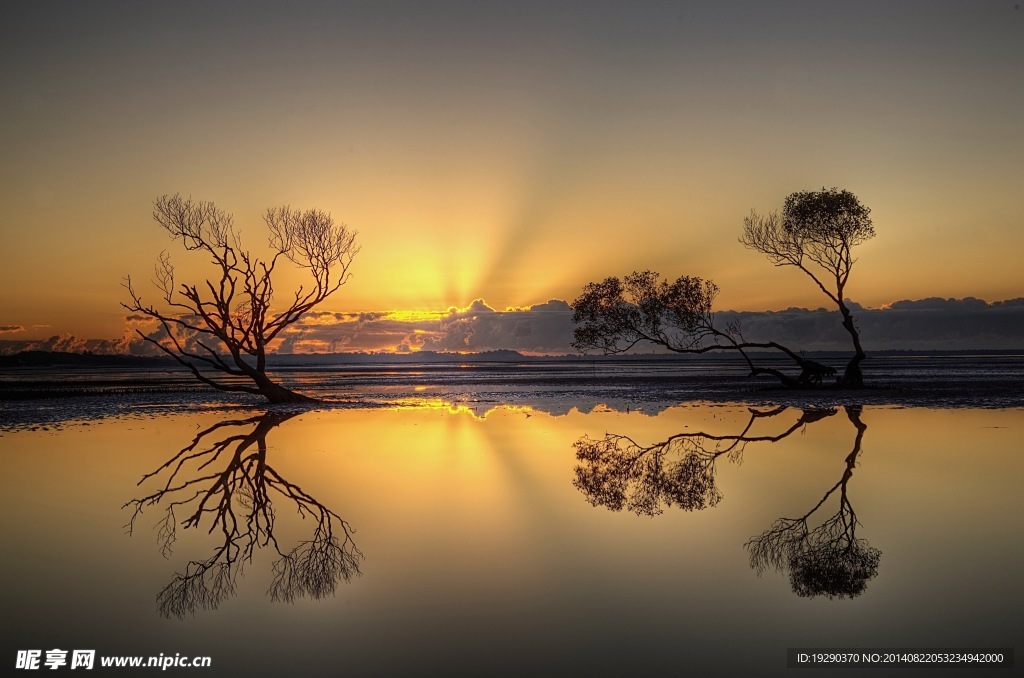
(619, 473)
(827, 560)
(487, 560)
(222, 482)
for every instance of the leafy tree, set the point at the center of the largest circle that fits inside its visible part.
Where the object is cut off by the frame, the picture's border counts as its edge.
(816, 233)
(615, 315)
(617, 472)
(822, 558)
(221, 329)
(828, 559)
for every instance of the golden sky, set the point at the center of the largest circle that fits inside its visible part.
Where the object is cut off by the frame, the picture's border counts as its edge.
(510, 151)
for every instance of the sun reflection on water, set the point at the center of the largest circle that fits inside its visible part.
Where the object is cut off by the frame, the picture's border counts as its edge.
(477, 411)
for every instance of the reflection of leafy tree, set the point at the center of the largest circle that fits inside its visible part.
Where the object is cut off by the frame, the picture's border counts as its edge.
(223, 477)
(680, 471)
(828, 560)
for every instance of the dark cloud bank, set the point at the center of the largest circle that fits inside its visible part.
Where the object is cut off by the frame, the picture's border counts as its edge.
(925, 325)
(537, 329)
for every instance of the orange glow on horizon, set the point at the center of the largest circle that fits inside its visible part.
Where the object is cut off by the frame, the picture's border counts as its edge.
(478, 413)
(514, 158)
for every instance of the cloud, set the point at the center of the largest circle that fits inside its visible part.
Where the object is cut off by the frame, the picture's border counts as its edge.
(937, 304)
(375, 331)
(541, 328)
(924, 324)
(11, 328)
(60, 343)
(134, 344)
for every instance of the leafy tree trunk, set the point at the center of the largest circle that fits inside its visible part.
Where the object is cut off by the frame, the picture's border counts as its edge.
(755, 371)
(852, 376)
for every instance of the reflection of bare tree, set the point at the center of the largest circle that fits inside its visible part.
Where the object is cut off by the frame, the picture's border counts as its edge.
(619, 473)
(829, 559)
(222, 477)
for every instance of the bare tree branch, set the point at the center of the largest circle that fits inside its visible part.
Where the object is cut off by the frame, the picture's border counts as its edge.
(227, 323)
(222, 480)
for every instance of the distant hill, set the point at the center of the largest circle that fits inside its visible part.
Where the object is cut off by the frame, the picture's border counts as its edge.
(28, 359)
(56, 358)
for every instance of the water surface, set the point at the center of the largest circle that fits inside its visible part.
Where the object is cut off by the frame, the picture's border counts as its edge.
(435, 538)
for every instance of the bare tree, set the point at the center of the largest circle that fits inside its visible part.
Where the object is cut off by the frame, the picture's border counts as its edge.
(817, 233)
(222, 328)
(223, 477)
(828, 559)
(615, 315)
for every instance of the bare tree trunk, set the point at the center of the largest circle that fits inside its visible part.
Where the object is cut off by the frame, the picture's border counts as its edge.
(232, 313)
(268, 388)
(276, 394)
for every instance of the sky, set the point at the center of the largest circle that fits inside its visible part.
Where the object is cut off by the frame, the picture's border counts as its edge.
(501, 155)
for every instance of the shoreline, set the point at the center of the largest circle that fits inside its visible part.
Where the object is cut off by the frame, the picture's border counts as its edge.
(56, 397)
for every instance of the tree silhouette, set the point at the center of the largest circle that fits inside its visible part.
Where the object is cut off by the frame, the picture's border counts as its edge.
(829, 559)
(817, 233)
(615, 315)
(222, 478)
(823, 560)
(221, 329)
(616, 472)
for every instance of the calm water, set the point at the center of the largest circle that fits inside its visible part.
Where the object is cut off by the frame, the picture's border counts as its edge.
(438, 539)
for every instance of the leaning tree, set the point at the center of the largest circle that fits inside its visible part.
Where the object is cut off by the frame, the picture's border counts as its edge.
(222, 328)
(816, 233)
(615, 315)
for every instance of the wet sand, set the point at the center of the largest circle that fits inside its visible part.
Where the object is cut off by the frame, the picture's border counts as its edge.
(44, 397)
